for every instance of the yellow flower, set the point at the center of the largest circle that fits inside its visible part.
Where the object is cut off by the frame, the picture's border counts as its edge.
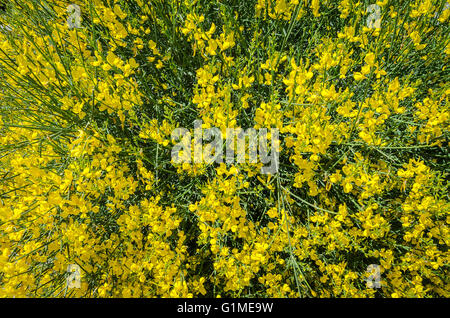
(358, 76)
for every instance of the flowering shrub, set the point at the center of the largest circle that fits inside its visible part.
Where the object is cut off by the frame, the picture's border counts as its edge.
(91, 91)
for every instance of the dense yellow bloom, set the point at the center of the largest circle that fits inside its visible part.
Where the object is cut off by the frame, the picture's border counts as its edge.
(88, 185)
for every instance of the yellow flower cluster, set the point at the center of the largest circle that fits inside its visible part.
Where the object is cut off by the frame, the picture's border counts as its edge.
(86, 176)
